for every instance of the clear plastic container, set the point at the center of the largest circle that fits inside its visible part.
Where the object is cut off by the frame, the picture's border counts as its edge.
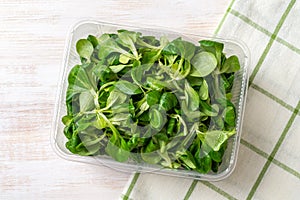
(71, 58)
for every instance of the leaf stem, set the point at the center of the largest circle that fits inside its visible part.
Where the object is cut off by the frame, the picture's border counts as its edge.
(106, 85)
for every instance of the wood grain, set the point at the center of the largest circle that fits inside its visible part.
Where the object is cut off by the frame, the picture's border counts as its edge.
(32, 40)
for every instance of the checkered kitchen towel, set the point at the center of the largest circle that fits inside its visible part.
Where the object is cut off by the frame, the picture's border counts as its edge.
(268, 165)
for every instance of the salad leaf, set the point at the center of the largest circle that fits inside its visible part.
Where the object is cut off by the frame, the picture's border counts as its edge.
(203, 91)
(231, 64)
(156, 119)
(84, 48)
(128, 87)
(203, 64)
(153, 97)
(213, 47)
(167, 101)
(180, 47)
(191, 97)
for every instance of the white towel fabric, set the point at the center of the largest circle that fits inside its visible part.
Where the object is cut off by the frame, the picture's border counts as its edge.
(268, 164)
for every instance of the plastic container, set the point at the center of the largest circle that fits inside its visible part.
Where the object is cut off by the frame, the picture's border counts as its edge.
(71, 58)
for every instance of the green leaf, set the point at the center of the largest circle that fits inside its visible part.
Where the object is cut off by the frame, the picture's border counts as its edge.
(119, 117)
(149, 154)
(156, 84)
(151, 56)
(137, 74)
(194, 81)
(203, 91)
(131, 108)
(167, 101)
(171, 126)
(117, 148)
(153, 97)
(133, 142)
(166, 159)
(210, 43)
(121, 108)
(229, 116)
(203, 64)
(187, 159)
(204, 163)
(151, 147)
(67, 120)
(93, 40)
(124, 59)
(151, 158)
(103, 38)
(218, 122)
(156, 119)
(216, 138)
(84, 122)
(214, 47)
(127, 87)
(90, 144)
(86, 101)
(116, 152)
(99, 123)
(73, 142)
(180, 47)
(227, 81)
(191, 97)
(108, 45)
(142, 105)
(69, 130)
(118, 68)
(84, 48)
(128, 39)
(112, 59)
(178, 69)
(104, 73)
(175, 142)
(209, 110)
(216, 156)
(190, 115)
(115, 98)
(231, 64)
(79, 77)
(79, 82)
(148, 42)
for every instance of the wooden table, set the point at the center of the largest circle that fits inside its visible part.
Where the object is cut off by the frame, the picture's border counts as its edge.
(32, 39)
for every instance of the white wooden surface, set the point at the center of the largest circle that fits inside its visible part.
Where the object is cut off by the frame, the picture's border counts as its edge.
(32, 39)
